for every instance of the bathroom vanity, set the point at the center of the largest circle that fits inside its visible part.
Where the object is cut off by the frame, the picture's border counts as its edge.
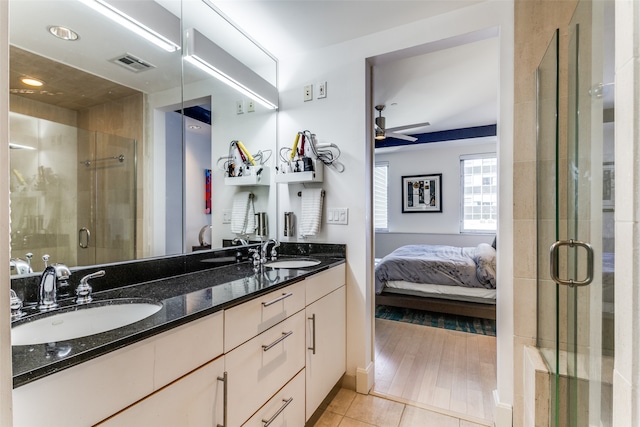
(230, 347)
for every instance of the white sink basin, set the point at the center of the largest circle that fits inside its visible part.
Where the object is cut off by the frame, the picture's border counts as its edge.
(86, 320)
(293, 263)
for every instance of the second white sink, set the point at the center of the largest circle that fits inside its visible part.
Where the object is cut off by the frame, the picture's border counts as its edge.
(293, 263)
(86, 320)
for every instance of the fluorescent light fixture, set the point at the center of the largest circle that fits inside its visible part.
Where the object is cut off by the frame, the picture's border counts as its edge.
(203, 53)
(143, 11)
(15, 146)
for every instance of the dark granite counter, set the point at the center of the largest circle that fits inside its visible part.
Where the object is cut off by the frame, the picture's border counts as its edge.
(184, 297)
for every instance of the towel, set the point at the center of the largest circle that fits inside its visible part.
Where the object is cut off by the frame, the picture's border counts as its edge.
(251, 219)
(239, 212)
(311, 212)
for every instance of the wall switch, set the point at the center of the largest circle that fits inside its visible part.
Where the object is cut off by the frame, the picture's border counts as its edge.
(251, 106)
(239, 107)
(338, 216)
(322, 90)
(308, 93)
(226, 216)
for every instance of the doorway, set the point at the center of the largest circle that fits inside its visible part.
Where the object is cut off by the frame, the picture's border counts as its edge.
(418, 363)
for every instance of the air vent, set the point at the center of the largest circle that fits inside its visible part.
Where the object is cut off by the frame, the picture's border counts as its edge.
(132, 63)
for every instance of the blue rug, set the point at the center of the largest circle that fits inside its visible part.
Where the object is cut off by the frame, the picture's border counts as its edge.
(438, 320)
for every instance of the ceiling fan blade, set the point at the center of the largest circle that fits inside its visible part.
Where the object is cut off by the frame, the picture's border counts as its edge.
(401, 136)
(412, 126)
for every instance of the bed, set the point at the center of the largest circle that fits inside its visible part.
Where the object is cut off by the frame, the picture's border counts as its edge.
(440, 278)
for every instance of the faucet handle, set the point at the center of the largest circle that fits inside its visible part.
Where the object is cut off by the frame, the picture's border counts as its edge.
(45, 258)
(16, 306)
(83, 291)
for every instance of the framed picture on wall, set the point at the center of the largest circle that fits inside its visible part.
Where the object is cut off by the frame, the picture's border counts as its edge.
(422, 193)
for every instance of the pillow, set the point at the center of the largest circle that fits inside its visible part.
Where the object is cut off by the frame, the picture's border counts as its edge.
(495, 242)
(485, 259)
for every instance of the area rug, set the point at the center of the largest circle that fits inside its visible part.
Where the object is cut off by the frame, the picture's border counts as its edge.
(472, 325)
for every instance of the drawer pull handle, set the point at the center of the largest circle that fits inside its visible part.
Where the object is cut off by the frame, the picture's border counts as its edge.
(272, 419)
(223, 378)
(287, 295)
(313, 333)
(276, 342)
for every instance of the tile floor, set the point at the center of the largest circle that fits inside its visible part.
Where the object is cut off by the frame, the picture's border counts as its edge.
(350, 409)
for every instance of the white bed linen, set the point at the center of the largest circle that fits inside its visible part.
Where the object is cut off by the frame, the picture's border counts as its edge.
(458, 293)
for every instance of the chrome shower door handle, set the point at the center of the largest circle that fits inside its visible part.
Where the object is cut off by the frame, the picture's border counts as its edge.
(553, 254)
(87, 239)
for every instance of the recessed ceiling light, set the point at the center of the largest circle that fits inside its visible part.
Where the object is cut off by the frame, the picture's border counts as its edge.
(63, 33)
(29, 81)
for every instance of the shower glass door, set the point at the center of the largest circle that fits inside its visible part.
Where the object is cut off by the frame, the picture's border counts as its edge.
(575, 275)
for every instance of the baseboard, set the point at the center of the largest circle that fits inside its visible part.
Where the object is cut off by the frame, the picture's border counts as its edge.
(504, 412)
(364, 378)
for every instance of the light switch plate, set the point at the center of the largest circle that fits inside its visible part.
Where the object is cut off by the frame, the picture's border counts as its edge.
(322, 90)
(239, 107)
(226, 216)
(251, 106)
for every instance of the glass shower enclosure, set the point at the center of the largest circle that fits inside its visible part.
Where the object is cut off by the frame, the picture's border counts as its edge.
(575, 208)
(73, 194)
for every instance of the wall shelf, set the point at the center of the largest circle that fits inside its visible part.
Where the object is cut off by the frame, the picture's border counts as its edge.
(254, 179)
(317, 175)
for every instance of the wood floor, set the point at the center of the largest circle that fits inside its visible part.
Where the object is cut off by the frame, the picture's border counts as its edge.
(449, 370)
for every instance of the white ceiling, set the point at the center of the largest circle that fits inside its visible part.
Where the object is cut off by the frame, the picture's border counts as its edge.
(451, 84)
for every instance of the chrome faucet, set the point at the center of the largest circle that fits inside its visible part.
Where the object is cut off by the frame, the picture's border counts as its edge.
(47, 290)
(83, 291)
(20, 266)
(54, 278)
(243, 242)
(16, 306)
(274, 253)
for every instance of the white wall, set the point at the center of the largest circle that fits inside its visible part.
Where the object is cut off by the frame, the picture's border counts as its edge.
(434, 158)
(345, 118)
(197, 159)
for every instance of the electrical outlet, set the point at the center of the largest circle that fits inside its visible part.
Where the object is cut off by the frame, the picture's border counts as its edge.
(239, 107)
(322, 90)
(251, 106)
(308, 93)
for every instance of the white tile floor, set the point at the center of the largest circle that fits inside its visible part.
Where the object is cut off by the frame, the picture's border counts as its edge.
(350, 409)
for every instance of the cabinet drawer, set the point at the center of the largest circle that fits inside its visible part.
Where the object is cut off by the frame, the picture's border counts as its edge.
(194, 400)
(245, 321)
(322, 283)
(286, 408)
(261, 366)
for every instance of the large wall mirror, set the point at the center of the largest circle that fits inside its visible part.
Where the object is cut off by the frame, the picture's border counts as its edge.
(117, 143)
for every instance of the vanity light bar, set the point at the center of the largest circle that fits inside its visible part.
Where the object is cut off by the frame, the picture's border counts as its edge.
(132, 24)
(213, 71)
(203, 53)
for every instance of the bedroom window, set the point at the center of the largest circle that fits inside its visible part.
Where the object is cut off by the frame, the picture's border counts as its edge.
(479, 193)
(380, 193)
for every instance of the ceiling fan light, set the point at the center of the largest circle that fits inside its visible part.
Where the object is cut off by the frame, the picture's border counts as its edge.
(380, 134)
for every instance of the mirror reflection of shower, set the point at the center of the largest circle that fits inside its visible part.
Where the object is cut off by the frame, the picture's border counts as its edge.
(72, 194)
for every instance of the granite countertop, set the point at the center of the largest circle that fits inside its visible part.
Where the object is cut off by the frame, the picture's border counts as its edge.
(184, 298)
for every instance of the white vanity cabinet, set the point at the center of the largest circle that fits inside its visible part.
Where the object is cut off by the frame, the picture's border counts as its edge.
(193, 401)
(326, 335)
(263, 347)
(105, 385)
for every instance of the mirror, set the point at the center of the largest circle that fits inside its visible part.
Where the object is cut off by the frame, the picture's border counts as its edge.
(109, 156)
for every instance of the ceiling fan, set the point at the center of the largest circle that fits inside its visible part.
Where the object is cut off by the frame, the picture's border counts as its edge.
(382, 132)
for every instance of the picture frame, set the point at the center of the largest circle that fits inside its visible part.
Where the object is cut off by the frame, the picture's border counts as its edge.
(422, 193)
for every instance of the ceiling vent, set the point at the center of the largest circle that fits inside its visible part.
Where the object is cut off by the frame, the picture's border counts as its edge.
(132, 63)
